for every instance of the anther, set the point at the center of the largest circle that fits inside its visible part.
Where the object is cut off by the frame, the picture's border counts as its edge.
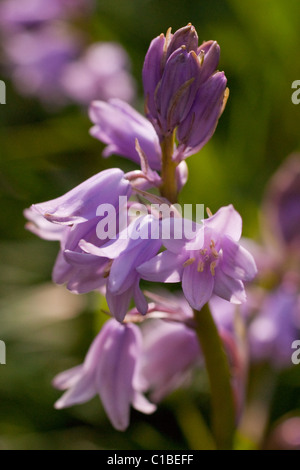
(188, 262)
(200, 267)
(213, 249)
(212, 267)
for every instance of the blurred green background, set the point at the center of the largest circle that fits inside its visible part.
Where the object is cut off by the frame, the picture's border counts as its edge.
(43, 154)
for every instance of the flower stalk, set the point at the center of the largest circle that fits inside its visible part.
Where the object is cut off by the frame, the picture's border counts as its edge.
(223, 415)
(168, 188)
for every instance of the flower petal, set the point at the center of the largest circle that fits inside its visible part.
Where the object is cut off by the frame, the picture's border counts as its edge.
(80, 392)
(165, 267)
(80, 271)
(86, 280)
(111, 249)
(162, 341)
(81, 259)
(197, 286)
(181, 234)
(186, 36)
(139, 299)
(123, 272)
(152, 71)
(68, 378)
(119, 304)
(237, 261)
(81, 203)
(228, 288)
(115, 373)
(182, 173)
(61, 270)
(41, 227)
(140, 403)
(128, 239)
(178, 88)
(211, 59)
(200, 124)
(227, 221)
(118, 125)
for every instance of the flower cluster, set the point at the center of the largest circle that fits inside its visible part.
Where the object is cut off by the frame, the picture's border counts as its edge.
(274, 308)
(182, 88)
(125, 361)
(184, 97)
(48, 58)
(134, 352)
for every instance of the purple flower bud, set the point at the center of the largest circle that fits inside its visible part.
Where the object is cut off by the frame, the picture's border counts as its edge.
(213, 262)
(200, 124)
(112, 370)
(175, 68)
(210, 51)
(157, 55)
(177, 89)
(118, 125)
(152, 72)
(186, 36)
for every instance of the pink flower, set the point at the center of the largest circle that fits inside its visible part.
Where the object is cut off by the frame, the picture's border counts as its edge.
(111, 369)
(212, 263)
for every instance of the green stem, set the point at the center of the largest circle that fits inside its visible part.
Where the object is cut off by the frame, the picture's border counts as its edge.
(168, 188)
(223, 414)
(190, 419)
